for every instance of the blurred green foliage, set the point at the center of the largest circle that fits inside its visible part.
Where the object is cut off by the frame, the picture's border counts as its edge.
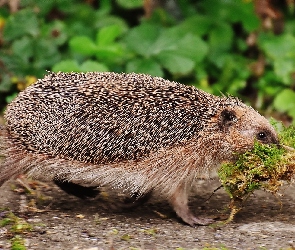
(205, 46)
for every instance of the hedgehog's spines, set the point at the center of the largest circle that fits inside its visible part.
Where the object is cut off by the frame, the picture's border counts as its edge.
(170, 106)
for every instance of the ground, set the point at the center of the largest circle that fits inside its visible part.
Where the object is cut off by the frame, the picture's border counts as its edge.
(66, 222)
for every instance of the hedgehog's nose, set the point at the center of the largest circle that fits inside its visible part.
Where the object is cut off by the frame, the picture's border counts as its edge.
(273, 139)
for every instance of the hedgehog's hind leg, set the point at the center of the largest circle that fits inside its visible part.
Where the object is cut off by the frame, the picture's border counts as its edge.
(179, 201)
(14, 160)
(77, 190)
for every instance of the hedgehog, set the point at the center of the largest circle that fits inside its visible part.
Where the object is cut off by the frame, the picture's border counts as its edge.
(132, 132)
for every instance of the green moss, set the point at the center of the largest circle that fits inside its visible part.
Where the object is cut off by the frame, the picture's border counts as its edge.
(17, 243)
(264, 167)
(15, 224)
(5, 222)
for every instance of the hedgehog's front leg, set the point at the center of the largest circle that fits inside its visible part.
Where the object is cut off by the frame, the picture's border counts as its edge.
(179, 201)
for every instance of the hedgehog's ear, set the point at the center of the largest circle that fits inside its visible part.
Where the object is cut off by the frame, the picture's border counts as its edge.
(227, 118)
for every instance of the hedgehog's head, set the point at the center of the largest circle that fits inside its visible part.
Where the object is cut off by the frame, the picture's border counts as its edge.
(242, 126)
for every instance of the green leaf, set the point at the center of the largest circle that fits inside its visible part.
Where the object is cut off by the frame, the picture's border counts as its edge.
(105, 6)
(176, 64)
(289, 26)
(197, 24)
(111, 52)
(14, 63)
(11, 97)
(284, 69)
(107, 35)
(83, 13)
(192, 47)
(83, 45)
(66, 66)
(23, 48)
(146, 66)
(247, 15)
(281, 51)
(167, 40)
(232, 11)
(285, 100)
(23, 22)
(141, 39)
(278, 47)
(46, 54)
(218, 9)
(219, 58)
(5, 83)
(44, 7)
(179, 52)
(77, 28)
(236, 85)
(221, 37)
(108, 20)
(55, 31)
(90, 65)
(267, 84)
(130, 4)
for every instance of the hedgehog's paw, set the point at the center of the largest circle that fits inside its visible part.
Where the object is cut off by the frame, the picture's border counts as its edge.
(202, 221)
(179, 201)
(192, 220)
(76, 189)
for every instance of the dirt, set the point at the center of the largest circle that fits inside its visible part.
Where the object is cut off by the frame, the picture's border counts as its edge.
(67, 222)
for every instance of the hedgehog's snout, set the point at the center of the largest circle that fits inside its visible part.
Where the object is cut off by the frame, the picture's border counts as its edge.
(267, 137)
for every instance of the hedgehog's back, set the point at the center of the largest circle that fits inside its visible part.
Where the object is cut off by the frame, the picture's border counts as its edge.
(106, 117)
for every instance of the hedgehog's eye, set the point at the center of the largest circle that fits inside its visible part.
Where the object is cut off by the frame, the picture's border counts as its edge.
(261, 136)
